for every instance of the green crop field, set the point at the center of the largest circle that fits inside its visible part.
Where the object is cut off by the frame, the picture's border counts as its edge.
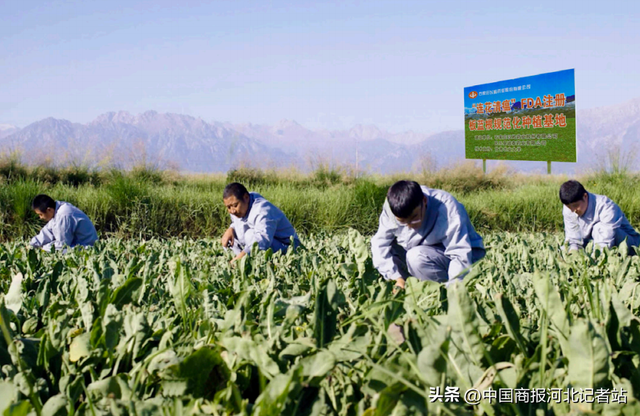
(135, 327)
(154, 320)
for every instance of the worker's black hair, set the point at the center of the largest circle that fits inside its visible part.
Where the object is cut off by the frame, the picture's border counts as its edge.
(42, 202)
(571, 191)
(236, 189)
(404, 197)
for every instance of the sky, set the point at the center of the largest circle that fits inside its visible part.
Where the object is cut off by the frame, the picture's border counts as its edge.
(400, 65)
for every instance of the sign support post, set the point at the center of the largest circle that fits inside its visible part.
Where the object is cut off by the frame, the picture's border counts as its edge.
(484, 166)
(548, 167)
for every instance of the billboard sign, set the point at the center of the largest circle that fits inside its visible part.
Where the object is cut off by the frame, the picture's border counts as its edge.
(530, 118)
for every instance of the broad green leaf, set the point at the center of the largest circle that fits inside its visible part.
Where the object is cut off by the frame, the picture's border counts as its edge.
(87, 310)
(7, 334)
(29, 326)
(205, 371)
(310, 402)
(163, 361)
(13, 298)
(348, 270)
(55, 406)
(293, 350)
(326, 312)
(623, 313)
(421, 295)
(273, 399)
(620, 317)
(509, 377)
(111, 326)
(80, 347)
(8, 394)
(175, 388)
(180, 288)
(432, 361)
(551, 304)
(115, 387)
(251, 351)
(317, 366)
(507, 374)
(18, 409)
(589, 359)
(360, 249)
(104, 388)
(511, 321)
(352, 345)
(626, 404)
(389, 398)
(463, 320)
(124, 294)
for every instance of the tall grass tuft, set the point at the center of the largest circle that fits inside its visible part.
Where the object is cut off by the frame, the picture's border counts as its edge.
(46, 174)
(15, 204)
(251, 177)
(324, 175)
(11, 168)
(77, 175)
(147, 174)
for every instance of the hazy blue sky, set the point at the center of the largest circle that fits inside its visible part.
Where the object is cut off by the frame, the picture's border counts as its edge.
(397, 64)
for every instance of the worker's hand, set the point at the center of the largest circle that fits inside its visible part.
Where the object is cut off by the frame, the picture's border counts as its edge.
(399, 285)
(238, 257)
(227, 238)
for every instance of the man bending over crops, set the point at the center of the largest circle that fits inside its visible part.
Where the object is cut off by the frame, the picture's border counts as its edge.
(594, 217)
(66, 225)
(254, 220)
(425, 233)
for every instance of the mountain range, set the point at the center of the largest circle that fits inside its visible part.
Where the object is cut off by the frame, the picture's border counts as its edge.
(192, 144)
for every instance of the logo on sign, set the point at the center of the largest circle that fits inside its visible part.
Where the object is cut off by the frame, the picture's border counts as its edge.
(473, 94)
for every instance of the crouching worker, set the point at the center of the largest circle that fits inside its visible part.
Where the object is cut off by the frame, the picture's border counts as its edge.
(254, 220)
(66, 225)
(591, 217)
(425, 233)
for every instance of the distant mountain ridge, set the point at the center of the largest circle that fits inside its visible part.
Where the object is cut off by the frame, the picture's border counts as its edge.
(7, 130)
(174, 140)
(192, 144)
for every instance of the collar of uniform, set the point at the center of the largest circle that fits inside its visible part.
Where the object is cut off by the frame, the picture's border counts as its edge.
(58, 205)
(591, 208)
(430, 214)
(252, 198)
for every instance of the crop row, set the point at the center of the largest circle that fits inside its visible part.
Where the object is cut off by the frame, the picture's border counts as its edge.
(142, 327)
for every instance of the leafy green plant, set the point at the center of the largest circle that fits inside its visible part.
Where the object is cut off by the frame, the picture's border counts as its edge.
(152, 326)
